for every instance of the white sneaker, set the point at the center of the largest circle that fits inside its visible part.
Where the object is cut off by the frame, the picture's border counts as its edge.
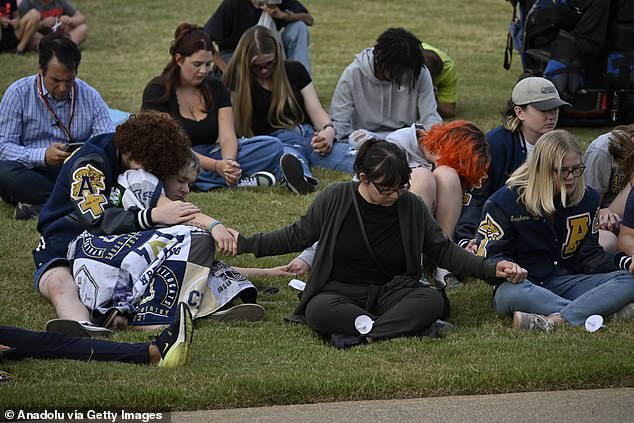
(77, 329)
(258, 179)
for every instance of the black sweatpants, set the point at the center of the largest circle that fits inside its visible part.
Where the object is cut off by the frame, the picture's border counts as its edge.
(396, 310)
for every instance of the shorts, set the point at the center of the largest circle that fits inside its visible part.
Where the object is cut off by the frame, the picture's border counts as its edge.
(8, 41)
(46, 256)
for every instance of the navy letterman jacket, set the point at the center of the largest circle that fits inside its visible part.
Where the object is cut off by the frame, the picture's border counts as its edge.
(508, 152)
(85, 197)
(565, 243)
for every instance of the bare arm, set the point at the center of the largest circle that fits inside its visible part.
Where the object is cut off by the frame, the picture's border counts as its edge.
(446, 110)
(324, 134)
(626, 240)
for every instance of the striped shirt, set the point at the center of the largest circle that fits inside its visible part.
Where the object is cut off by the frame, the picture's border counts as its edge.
(27, 127)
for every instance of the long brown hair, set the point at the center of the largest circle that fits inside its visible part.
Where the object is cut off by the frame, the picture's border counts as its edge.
(284, 111)
(188, 39)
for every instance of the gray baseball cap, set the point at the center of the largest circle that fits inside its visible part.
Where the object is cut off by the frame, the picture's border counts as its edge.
(538, 92)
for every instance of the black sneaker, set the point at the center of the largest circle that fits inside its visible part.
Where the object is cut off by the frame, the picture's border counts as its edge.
(240, 312)
(26, 211)
(174, 342)
(294, 178)
(342, 341)
(77, 329)
(258, 179)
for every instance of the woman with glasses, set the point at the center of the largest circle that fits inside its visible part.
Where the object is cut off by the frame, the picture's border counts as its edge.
(275, 97)
(545, 220)
(364, 284)
(202, 106)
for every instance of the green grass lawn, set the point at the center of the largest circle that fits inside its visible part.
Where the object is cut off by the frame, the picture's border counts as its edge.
(271, 362)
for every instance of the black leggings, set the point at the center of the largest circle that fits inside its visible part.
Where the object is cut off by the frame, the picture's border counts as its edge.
(398, 312)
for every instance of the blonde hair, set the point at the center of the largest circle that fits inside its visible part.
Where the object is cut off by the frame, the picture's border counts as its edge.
(284, 110)
(535, 180)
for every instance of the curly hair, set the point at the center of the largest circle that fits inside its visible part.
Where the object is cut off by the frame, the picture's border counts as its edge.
(155, 141)
(462, 146)
(621, 147)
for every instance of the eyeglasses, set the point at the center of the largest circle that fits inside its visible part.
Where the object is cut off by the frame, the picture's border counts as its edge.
(565, 172)
(389, 191)
(264, 66)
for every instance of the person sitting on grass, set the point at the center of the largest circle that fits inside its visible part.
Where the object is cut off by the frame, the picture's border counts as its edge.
(387, 87)
(16, 31)
(84, 198)
(622, 148)
(546, 220)
(272, 96)
(367, 265)
(446, 161)
(445, 78)
(532, 111)
(202, 105)
(610, 180)
(55, 16)
(171, 348)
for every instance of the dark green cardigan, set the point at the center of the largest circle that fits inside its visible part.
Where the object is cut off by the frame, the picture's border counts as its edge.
(323, 219)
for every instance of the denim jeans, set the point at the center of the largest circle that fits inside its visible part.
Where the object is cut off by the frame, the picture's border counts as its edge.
(574, 296)
(261, 153)
(296, 38)
(297, 142)
(27, 185)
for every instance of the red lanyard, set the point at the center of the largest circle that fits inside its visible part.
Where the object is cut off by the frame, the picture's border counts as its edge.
(66, 129)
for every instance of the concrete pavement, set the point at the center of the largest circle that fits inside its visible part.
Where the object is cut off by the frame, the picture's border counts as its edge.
(601, 405)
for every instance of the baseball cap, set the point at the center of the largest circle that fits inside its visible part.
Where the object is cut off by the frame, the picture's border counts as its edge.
(538, 92)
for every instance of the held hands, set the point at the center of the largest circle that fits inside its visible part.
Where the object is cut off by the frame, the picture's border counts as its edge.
(274, 11)
(323, 140)
(56, 154)
(298, 267)
(227, 243)
(472, 246)
(174, 213)
(510, 271)
(609, 220)
(230, 170)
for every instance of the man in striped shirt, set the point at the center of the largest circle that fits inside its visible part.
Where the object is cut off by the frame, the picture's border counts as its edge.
(42, 117)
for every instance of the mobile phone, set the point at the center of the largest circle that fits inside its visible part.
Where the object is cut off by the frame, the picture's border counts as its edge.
(72, 146)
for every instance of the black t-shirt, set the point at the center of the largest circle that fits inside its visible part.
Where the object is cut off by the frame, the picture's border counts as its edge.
(298, 77)
(233, 17)
(352, 260)
(204, 131)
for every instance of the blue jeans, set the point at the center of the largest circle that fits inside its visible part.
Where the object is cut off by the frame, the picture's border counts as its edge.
(297, 142)
(574, 296)
(27, 185)
(295, 38)
(48, 345)
(254, 155)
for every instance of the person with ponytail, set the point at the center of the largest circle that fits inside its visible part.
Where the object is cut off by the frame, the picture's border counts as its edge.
(202, 105)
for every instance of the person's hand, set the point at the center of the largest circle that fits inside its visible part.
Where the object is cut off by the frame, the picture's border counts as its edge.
(4, 21)
(56, 154)
(65, 20)
(274, 11)
(174, 213)
(609, 220)
(631, 269)
(510, 271)
(233, 233)
(227, 244)
(278, 272)
(5, 348)
(323, 140)
(472, 246)
(230, 170)
(298, 267)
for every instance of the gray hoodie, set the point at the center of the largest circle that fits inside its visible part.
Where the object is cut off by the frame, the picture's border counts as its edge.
(361, 101)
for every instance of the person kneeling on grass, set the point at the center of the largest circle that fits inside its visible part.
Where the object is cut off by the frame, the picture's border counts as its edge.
(546, 220)
(169, 349)
(371, 234)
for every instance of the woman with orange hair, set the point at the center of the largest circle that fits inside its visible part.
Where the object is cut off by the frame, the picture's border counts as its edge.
(446, 161)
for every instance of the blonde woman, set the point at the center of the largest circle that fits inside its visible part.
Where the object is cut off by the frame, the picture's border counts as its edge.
(545, 220)
(275, 97)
